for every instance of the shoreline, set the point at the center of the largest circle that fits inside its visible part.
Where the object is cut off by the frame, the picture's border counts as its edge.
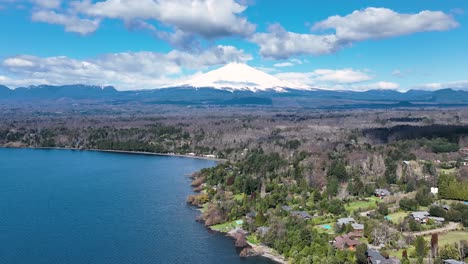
(260, 250)
(124, 152)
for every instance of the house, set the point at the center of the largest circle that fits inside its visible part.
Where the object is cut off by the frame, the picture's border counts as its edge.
(286, 208)
(421, 216)
(263, 230)
(438, 220)
(355, 234)
(251, 215)
(345, 242)
(358, 227)
(374, 257)
(452, 261)
(345, 221)
(301, 214)
(381, 193)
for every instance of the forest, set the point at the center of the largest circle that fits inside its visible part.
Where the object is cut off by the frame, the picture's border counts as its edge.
(290, 175)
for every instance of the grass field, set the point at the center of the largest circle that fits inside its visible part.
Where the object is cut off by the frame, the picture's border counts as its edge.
(369, 204)
(450, 237)
(397, 217)
(225, 227)
(239, 197)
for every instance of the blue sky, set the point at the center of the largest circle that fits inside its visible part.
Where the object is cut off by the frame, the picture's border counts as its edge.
(354, 45)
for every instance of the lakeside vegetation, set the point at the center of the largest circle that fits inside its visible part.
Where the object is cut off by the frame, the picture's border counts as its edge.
(288, 178)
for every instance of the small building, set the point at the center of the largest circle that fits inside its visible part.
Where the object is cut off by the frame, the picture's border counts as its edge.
(301, 214)
(374, 257)
(358, 227)
(421, 216)
(355, 234)
(345, 221)
(438, 220)
(345, 242)
(286, 208)
(452, 261)
(446, 207)
(381, 193)
(251, 215)
(263, 230)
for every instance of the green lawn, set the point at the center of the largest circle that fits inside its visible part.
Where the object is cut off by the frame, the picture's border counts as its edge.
(451, 237)
(252, 239)
(397, 217)
(239, 197)
(369, 204)
(226, 227)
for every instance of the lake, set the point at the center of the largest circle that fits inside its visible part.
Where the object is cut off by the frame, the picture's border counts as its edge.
(64, 206)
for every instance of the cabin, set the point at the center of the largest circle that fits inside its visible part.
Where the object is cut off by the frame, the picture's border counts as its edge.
(381, 193)
(358, 227)
(374, 257)
(452, 261)
(263, 230)
(301, 214)
(345, 242)
(421, 216)
(346, 221)
(438, 220)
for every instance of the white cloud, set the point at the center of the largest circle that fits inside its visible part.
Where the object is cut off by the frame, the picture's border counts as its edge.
(457, 85)
(281, 44)
(378, 23)
(283, 64)
(361, 25)
(51, 4)
(379, 85)
(206, 18)
(126, 70)
(325, 77)
(18, 62)
(71, 22)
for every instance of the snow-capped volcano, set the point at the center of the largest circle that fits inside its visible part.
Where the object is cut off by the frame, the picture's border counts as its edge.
(239, 76)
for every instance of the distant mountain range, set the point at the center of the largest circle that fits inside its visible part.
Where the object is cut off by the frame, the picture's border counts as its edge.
(215, 96)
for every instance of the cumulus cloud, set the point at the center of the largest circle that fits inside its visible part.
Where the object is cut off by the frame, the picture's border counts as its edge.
(325, 77)
(361, 25)
(278, 43)
(126, 70)
(206, 18)
(71, 22)
(457, 85)
(379, 23)
(48, 3)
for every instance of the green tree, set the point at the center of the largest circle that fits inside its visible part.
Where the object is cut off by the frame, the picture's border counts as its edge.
(449, 251)
(420, 247)
(361, 256)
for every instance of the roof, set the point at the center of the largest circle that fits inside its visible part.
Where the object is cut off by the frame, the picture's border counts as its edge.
(286, 208)
(301, 214)
(344, 241)
(437, 219)
(420, 214)
(263, 230)
(345, 220)
(382, 192)
(452, 261)
(377, 258)
(357, 226)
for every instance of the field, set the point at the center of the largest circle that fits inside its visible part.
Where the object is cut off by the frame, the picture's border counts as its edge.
(368, 204)
(226, 227)
(451, 237)
(397, 217)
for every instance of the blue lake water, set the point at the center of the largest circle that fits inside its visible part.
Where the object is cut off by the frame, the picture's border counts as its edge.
(60, 206)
